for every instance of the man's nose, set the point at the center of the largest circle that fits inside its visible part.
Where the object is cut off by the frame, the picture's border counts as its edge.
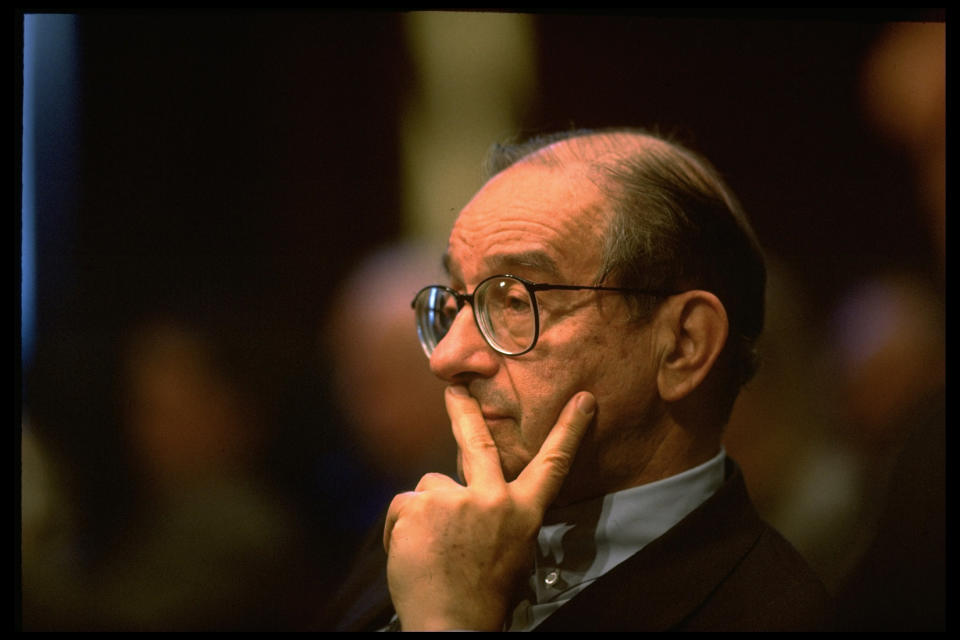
(463, 353)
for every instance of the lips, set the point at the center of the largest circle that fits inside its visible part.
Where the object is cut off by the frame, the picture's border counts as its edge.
(493, 415)
(494, 406)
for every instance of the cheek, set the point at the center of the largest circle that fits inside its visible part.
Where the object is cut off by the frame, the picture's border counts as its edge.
(614, 370)
(592, 359)
(539, 389)
(544, 388)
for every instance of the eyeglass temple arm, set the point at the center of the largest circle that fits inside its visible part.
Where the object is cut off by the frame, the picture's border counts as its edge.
(573, 287)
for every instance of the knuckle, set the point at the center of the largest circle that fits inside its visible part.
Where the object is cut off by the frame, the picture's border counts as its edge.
(557, 463)
(427, 480)
(397, 503)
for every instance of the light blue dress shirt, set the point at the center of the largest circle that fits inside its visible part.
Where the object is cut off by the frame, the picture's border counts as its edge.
(581, 542)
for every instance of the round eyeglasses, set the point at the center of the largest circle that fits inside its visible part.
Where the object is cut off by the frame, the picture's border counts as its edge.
(504, 307)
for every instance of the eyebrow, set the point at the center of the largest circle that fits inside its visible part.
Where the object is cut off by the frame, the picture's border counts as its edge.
(536, 260)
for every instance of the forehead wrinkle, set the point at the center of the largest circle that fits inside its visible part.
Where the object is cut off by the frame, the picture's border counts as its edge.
(537, 260)
(525, 210)
(553, 231)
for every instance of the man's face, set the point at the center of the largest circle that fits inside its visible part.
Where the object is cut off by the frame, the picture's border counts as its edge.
(547, 225)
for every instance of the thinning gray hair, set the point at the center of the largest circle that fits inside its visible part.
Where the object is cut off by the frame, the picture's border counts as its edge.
(673, 225)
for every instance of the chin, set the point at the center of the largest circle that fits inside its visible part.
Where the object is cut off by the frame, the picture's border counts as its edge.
(512, 466)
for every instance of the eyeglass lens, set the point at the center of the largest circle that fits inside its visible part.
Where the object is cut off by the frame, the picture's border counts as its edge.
(503, 307)
(435, 309)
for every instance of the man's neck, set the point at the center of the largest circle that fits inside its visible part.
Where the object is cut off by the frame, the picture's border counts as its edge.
(635, 461)
(581, 542)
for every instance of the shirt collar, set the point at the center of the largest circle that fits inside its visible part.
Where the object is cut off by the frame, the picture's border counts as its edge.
(579, 543)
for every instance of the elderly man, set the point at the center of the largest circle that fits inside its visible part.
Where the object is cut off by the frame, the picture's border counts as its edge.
(605, 294)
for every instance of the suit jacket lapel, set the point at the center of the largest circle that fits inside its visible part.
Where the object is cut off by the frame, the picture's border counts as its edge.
(661, 585)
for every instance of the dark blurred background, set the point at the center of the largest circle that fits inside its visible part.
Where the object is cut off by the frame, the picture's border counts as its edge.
(216, 203)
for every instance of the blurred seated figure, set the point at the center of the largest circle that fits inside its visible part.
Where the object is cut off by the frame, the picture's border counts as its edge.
(392, 406)
(900, 582)
(821, 426)
(781, 430)
(892, 357)
(395, 426)
(207, 546)
(214, 537)
(889, 338)
(904, 91)
(186, 422)
(886, 357)
(855, 478)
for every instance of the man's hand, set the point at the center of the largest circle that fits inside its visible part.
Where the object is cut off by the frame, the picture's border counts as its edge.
(457, 554)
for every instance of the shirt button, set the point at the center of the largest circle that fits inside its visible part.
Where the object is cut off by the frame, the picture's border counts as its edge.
(551, 578)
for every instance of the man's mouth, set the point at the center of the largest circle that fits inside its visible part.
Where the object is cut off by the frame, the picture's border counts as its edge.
(494, 416)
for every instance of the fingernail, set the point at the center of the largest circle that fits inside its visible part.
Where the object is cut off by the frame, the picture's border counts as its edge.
(458, 390)
(586, 403)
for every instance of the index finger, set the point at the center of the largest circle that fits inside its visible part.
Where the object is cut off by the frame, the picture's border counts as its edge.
(540, 481)
(479, 456)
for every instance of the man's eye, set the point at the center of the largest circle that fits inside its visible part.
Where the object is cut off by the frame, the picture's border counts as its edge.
(518, 303)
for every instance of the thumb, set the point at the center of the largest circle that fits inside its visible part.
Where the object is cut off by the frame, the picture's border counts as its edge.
(540, 481)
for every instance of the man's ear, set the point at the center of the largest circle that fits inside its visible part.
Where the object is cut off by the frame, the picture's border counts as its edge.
(692, 328)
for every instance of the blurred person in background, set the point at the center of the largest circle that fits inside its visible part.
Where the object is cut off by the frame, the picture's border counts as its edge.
(380, 385)
(782, 430)
(820, 427)
(204, 543)
(887, 352)
(841, 410)
(390, 407)
(897, 390)
(854, 457)
(213, 539)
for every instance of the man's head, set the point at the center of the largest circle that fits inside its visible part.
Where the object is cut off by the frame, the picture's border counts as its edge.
(618, 209)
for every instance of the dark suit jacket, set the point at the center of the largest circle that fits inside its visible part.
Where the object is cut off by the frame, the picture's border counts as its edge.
(719, 569)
